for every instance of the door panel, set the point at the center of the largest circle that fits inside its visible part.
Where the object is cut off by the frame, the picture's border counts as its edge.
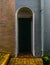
(24, 35)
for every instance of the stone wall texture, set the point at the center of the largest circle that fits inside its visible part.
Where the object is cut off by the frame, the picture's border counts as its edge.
(7, 26)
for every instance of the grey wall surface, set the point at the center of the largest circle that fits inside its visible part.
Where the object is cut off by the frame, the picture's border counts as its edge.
(35, 6)
(47, 26)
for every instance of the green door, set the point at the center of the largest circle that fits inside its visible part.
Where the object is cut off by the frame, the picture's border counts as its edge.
(24, 35)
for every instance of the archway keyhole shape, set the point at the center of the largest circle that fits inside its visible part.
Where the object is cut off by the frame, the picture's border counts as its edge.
(25, 13)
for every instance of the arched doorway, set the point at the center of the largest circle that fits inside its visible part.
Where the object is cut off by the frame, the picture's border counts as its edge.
(25, 31)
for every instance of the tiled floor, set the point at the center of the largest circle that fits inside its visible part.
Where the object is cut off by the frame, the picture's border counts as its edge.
(25, 55)
(26, 61)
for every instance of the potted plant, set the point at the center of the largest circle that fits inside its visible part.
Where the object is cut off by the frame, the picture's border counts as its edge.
(45, 59)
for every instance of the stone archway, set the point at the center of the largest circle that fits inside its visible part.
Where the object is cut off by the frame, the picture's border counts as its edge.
(25, 12)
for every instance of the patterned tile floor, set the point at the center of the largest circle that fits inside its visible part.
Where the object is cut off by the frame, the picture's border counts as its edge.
(25, 55)
(26, 61)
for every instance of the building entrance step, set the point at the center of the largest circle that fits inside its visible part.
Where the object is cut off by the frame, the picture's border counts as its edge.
(26, 61)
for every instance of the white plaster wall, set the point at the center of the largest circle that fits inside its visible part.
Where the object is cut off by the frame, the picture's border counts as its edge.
(47, 27)
(35, 6)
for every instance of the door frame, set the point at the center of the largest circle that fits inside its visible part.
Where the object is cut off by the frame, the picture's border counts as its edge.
(32, 35)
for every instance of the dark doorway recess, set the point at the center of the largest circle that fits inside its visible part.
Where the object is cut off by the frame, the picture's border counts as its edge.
(24, 35)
